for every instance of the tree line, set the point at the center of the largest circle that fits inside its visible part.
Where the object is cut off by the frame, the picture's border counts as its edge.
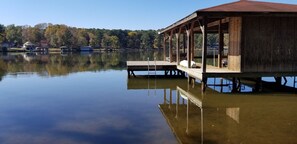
(62, 35)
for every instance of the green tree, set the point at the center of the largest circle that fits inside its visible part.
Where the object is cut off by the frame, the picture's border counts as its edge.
(83, 37)
(106, 43)
(14, 34)
(2, 33)
(157, 41)
(133, 40)
(114, 41)
(146, 40)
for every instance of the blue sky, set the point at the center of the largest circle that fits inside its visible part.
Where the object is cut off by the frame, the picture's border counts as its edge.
(108, 14)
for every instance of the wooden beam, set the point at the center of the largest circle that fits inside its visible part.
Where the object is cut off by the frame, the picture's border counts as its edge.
(170, 46)
(221, 45)
(180, 22)
(184, 42)
(189, 45)
(192, 41)
(177, 36)
(218, 22)
(164, 46)
(204, 45)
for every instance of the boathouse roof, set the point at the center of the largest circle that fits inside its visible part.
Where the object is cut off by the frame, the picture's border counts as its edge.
(251, 6)
(239, 8)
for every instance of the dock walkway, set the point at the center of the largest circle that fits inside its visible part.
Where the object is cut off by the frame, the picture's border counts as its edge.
(211, 71)
(165, 66)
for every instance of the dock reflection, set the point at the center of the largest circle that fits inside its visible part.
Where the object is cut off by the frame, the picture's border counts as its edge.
(195, 117)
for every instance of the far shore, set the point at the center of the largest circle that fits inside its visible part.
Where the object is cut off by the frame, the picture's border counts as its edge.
(13, 50)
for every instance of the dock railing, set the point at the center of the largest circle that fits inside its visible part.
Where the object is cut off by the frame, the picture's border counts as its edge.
(149, 66)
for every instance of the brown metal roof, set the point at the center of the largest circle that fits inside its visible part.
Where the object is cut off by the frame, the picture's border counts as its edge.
(252, 6)
(238, 9)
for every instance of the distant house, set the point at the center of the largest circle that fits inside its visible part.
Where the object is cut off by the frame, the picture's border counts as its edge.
(86, 48)
(43, 44)
(5, 46)
(28, 46)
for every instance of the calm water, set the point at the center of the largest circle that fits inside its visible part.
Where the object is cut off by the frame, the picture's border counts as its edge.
(88, 99)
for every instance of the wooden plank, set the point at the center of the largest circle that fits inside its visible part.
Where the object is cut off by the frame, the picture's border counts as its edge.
(282, 57)
(251, 44)
(294, 69)
(151, 63)
(277, 47)
(289, 44)
(235, 43)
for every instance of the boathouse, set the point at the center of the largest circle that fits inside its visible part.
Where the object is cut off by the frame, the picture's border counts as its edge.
(262, 41)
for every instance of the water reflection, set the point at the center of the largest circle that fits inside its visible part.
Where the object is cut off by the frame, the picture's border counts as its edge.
(195, 117)
(56, 64)
(87, 98)
(212, 117)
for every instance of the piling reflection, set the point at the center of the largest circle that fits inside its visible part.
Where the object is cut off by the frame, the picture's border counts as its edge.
(195, 117)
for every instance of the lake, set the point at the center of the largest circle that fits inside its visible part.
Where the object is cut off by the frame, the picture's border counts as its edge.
(87, 98)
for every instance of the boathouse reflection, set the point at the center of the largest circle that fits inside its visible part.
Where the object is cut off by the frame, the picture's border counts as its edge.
(184, 116)
(196, 117)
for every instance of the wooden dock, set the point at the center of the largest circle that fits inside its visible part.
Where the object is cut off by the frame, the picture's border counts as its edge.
(169, 68)
(211, 71)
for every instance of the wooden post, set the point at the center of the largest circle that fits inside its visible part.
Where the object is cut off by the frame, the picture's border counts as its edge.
(189, 47)
(203, 83)
(204, 55)
(164, 46)
(204, 45)
(177, 36)
(170, 46)
(234, 85)
(192, 41)
(258, 86)
(221, 45)
(278, 80)
(185, 42)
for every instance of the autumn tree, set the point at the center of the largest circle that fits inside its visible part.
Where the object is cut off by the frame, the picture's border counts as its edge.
(14, 34)
(114, 41)
(133, 40)
(50, 35)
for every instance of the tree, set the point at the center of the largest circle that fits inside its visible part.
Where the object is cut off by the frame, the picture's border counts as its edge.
(31, 34)
(114, 41)
(2, 33)
(50, 35)
(146, 40)
(94, 40)
(14, 34)
(83, 37)
(133, 40)
(157, 41)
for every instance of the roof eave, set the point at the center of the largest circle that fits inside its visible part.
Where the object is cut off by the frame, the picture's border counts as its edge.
(180, 22)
